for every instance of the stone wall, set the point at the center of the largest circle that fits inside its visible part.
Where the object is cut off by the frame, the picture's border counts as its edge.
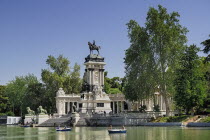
(130, 119)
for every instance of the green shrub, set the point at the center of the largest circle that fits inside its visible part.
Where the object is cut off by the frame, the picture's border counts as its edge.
(207, 120)
(10, 113)
(172, 119)
(114, 90)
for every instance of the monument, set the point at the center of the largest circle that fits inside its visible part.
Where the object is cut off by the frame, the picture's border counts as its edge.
(30, 117)
(42, 115)
(94, 99)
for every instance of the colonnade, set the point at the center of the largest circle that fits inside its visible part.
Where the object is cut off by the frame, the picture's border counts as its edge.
(92, 73)
(117, 106)
(69, 107)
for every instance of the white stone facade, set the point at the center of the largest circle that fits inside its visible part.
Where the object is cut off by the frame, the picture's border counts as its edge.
(94, 100)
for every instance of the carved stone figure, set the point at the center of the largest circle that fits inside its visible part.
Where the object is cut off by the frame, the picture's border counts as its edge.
(30, 112)
(40, 110)
(93, 47)
(60, 92)
(74, 108)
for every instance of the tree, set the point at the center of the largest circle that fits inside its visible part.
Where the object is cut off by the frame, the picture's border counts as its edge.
(17, 91)
(60, 76)
(3, 100)
(154, 49)
(36, 96)
(107, 84)
(112, 85)
(206, 49)
(139, 63)
(190, 83)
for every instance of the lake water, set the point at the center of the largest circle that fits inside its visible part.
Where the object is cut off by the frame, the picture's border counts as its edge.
(101, 133)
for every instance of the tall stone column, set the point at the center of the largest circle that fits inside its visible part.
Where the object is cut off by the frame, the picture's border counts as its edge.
(103, 77)
(93, 76)
(68, 107)
(72, 103)
(99, 77)
(122, 106)
(113, 107)
(64, 108)
(90, 75)
(77, 106)
(117, 107)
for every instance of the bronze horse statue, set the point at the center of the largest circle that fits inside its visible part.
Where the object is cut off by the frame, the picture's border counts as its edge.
(93, 47)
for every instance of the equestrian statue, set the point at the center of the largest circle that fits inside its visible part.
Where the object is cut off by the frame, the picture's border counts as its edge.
(93, 47)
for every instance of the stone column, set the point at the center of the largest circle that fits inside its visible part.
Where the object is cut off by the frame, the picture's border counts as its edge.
(99, 77)
(72, 103)
(117, 107)
(113, 107)
(122, 106)
(68, 107)
(90, 77)
(101, 83)
(102, 77)
(77, 106)
(64, 107)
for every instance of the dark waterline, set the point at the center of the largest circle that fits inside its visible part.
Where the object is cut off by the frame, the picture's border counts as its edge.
(101, 133)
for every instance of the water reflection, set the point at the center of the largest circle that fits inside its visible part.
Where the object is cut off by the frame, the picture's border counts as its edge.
(101, 133)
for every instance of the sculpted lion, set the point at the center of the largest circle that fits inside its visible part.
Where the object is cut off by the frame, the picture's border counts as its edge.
(40, 110)
(30, 112)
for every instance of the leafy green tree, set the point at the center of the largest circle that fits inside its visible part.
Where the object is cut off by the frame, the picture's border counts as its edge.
(206, 49)
(76, 82)
(60, 76)
(35, 96)
(139, 63)
(17, 91)
(154, 49)
(112, 85)
(3, 100)
(107, 84)
(190, 83)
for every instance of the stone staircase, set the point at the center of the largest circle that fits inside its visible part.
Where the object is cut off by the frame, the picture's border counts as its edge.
(62, 121)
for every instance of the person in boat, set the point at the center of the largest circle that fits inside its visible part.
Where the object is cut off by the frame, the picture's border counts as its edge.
(110, 127)
(123, 127)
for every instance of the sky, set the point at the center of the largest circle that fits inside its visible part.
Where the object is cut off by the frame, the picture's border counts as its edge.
(31, 30)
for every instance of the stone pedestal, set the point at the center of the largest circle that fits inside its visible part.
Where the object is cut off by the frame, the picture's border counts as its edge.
(29, 119)
(42, 118)
(74, 118)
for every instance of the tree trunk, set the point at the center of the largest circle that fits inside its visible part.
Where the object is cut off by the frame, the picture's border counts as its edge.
(163, 91)
(166, 104)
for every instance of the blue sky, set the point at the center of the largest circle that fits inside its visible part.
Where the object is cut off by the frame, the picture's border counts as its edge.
(30, 30)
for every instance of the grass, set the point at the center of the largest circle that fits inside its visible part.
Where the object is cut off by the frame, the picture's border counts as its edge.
(172, 119)
(207, 120)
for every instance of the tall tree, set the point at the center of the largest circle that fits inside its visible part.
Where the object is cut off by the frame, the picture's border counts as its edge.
(154, 48)
(190, 83)
(107, 84)
(139, 64)
(60, 76)
(206, 49)
(17, 90)
(3, 100)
